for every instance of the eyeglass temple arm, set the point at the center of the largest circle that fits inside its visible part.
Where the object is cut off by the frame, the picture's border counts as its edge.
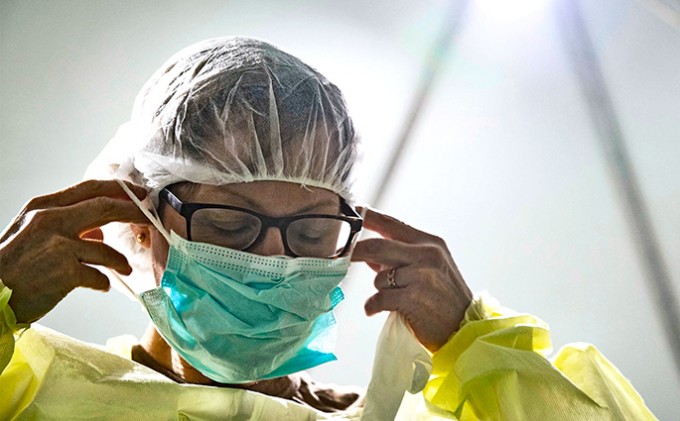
(171, 199)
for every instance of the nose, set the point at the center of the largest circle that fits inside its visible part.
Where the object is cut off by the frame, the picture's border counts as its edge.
(270, 244)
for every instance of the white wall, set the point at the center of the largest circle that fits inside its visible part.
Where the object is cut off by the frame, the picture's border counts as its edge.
(503, 164)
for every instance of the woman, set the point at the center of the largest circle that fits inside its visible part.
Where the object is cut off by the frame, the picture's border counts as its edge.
(237, 154)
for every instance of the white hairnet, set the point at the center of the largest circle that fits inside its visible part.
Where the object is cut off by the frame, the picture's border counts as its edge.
(231, 110)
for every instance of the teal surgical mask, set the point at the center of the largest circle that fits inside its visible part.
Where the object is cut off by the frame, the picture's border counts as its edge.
(239, 317)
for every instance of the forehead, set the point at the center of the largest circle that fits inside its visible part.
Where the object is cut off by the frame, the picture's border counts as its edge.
(275, 198)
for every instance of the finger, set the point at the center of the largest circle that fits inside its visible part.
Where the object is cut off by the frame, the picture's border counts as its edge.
(95, 235)
(97, 212)
(385, 300)
(403, 277)
(100, 254)
(89, 277)
(381, 252)
(391, 253)
(392, 228)
(375, 267)
(83, 191)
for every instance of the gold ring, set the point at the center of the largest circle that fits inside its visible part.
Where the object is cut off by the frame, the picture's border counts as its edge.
(391, 283)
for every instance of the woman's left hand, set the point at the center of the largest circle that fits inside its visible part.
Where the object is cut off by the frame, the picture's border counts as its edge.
(416, 276)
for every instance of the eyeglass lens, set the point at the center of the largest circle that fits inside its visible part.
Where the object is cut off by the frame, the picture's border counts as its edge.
(310, 236)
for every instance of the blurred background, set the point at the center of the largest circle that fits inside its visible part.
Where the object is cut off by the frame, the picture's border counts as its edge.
(503, 159)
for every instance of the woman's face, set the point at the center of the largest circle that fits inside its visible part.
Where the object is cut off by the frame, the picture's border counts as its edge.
(273, 198)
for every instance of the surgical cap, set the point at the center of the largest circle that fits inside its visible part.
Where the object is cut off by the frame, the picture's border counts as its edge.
(233, 110)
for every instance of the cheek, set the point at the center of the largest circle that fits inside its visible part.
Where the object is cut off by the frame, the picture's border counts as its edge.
(159, 245)
(159, 255)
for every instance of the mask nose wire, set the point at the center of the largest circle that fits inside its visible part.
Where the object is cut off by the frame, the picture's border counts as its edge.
(154, 220)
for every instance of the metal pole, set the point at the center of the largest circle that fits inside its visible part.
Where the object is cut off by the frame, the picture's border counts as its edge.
(606, 124)
(431, 69)
(664, 11)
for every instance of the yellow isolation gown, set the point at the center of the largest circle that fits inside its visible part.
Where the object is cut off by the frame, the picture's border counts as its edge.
(493, 368)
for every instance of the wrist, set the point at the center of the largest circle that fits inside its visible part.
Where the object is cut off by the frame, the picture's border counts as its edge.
(482, 307)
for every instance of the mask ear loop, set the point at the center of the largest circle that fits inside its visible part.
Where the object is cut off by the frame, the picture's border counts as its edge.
(122, 282)
(155, 220)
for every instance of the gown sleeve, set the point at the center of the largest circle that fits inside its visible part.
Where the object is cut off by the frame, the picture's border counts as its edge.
(8, 325)
(496, 368)
(17, 380)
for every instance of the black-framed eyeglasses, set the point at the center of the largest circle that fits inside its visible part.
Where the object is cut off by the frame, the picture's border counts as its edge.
(307, 235)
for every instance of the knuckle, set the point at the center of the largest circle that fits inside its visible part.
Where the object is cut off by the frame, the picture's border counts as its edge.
(90, 185)
(58, 244)
(442, 256)
(104, 204)
(433, 253)
(439, 241)
(41, 217)
(35, 203)
(428, 276)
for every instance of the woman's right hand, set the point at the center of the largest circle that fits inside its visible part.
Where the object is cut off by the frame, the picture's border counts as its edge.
(45, 251)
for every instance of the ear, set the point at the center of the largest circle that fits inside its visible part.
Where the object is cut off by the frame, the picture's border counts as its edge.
(142, 235)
